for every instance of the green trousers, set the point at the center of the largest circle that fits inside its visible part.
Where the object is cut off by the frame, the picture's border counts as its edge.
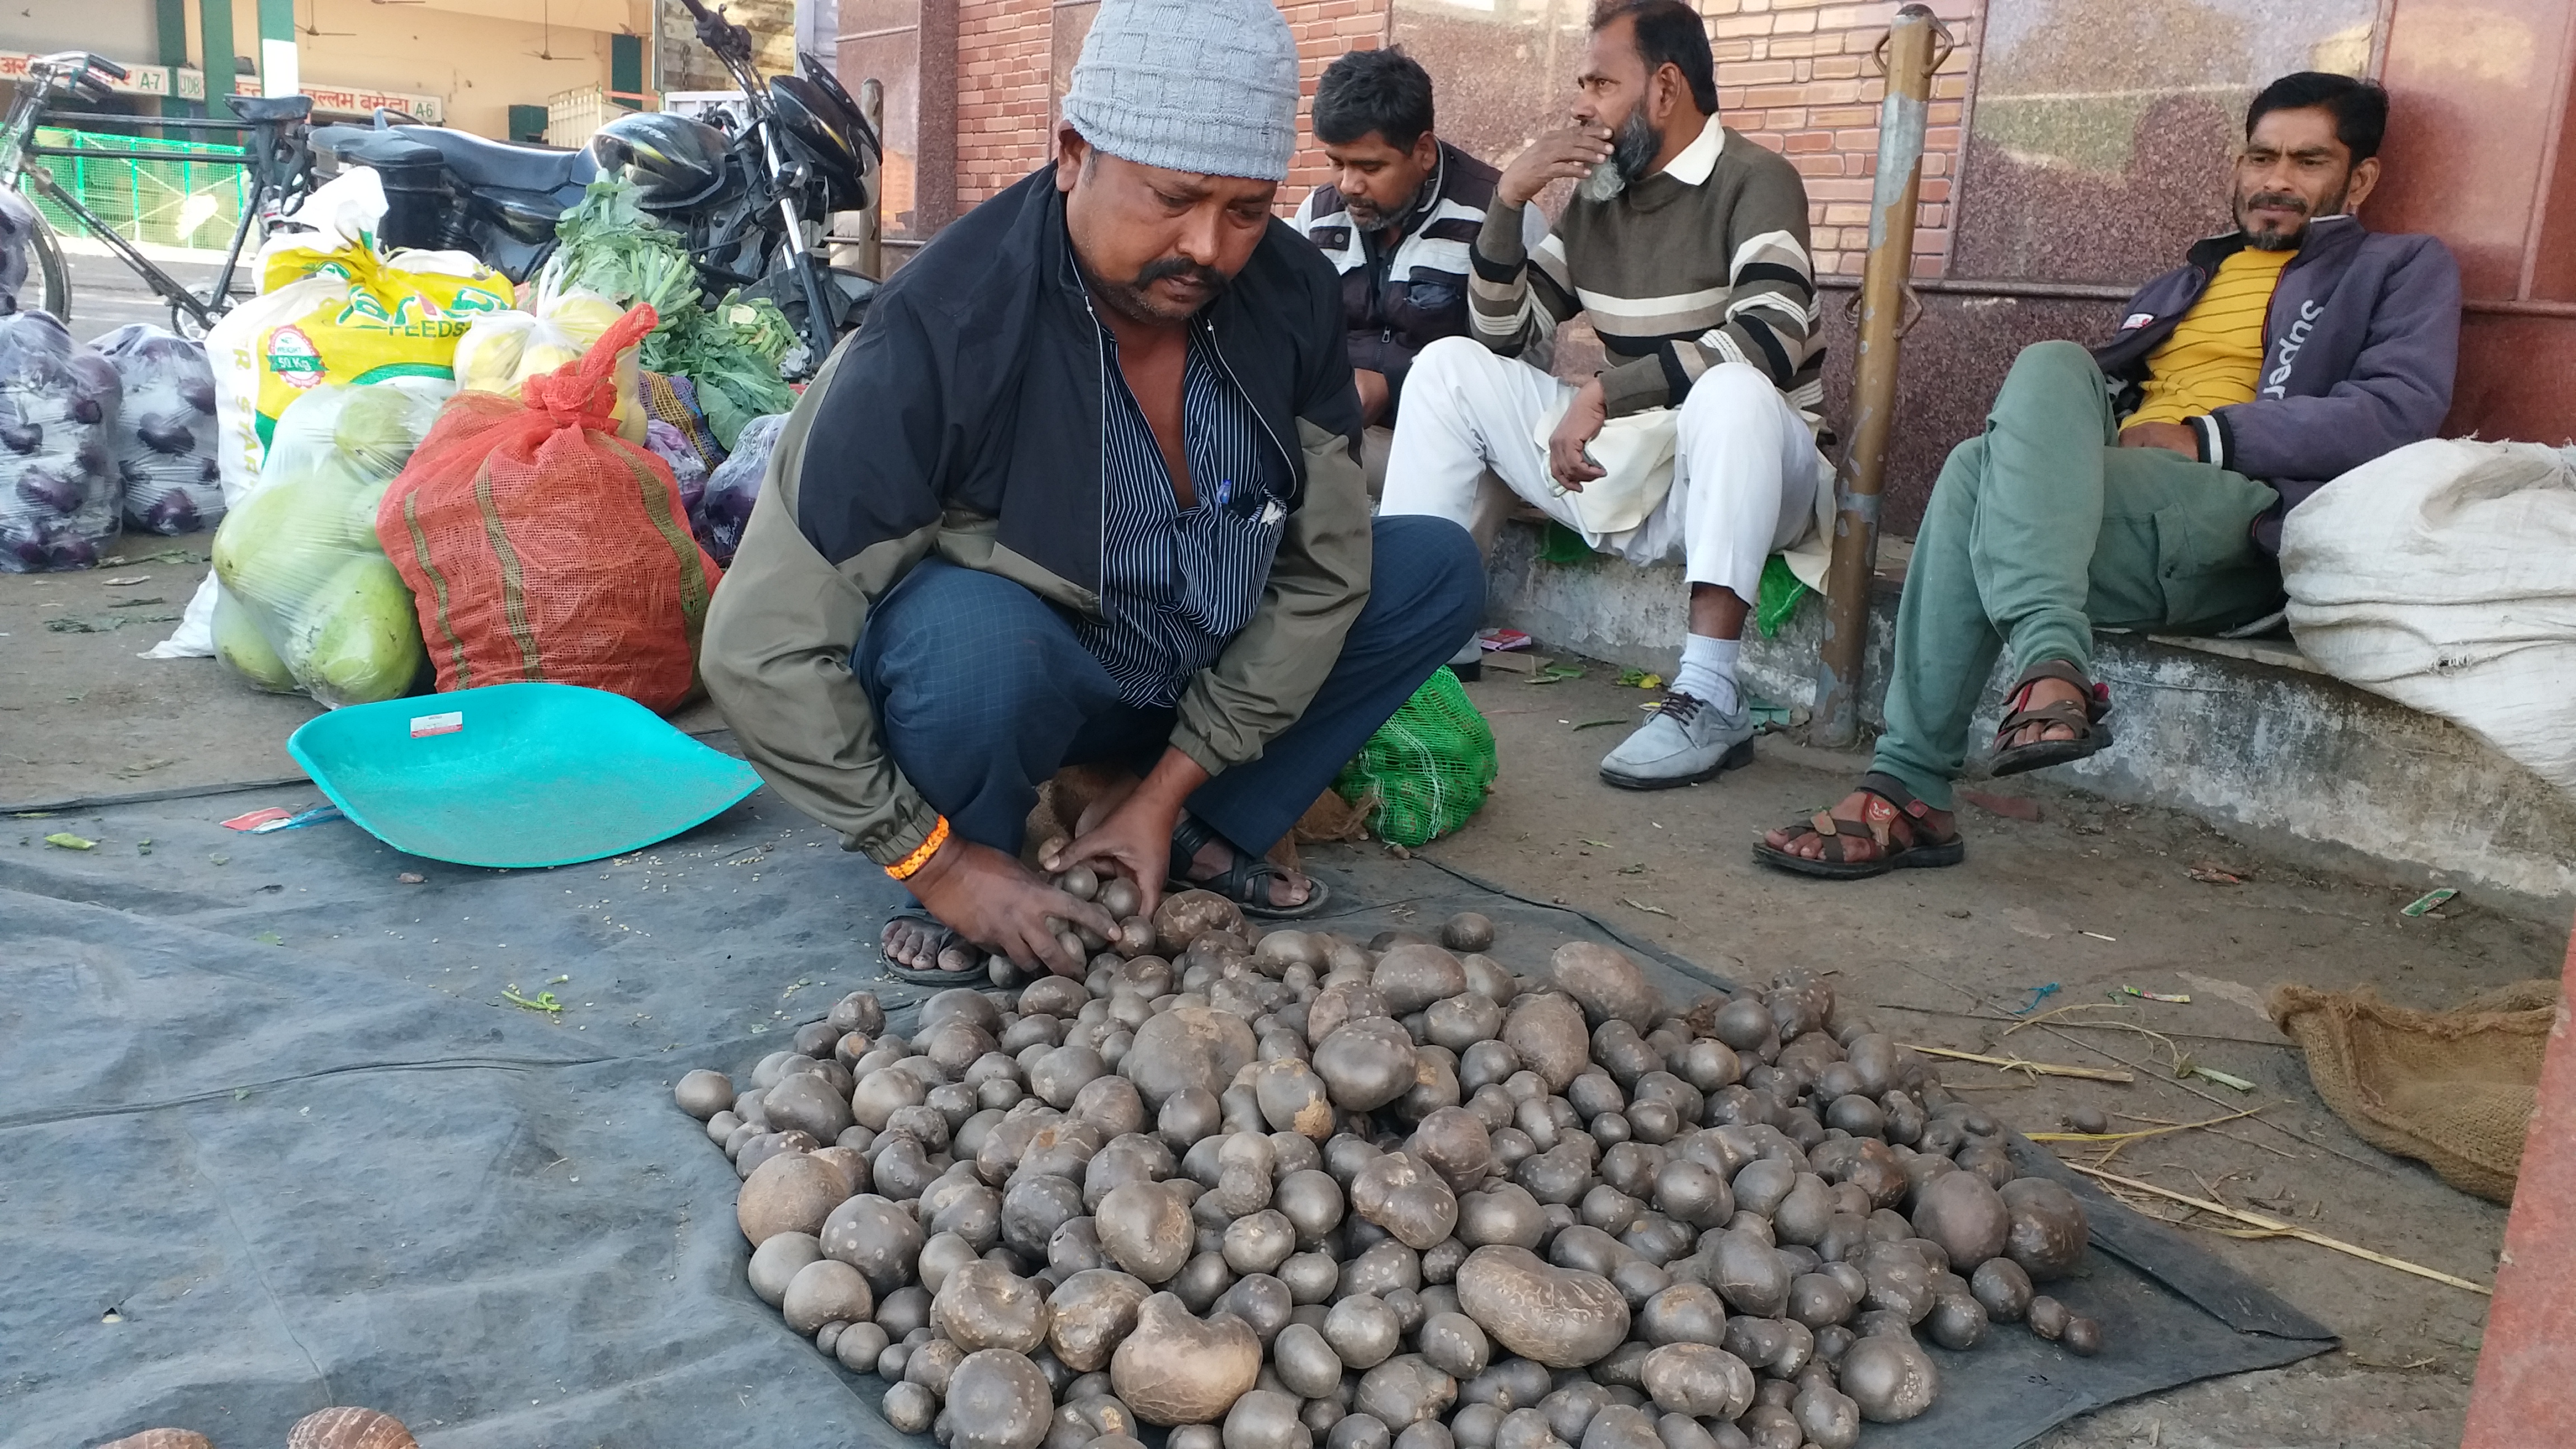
(2041, 528)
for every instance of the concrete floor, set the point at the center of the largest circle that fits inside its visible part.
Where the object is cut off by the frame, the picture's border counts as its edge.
(2089, 896)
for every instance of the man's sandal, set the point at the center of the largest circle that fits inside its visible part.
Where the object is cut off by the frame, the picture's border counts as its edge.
(1246, 882)
(1890, 803)
(975, 974)
(2091, 736)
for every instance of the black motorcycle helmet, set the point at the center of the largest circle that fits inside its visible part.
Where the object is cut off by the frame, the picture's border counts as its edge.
(673, 160)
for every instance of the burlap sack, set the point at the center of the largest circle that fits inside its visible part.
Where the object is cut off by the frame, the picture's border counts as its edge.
(2452, 1089)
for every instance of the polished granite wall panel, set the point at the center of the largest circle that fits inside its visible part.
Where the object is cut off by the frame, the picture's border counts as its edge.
(1947, 371)
(1503, 71)
(2477, 89)
(2100, 136)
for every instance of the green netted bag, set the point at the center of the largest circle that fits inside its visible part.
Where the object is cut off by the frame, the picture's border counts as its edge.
(1427, 769)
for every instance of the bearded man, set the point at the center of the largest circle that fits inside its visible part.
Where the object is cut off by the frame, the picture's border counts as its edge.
(1686, 243)
(2142, 485)
(1084, 491)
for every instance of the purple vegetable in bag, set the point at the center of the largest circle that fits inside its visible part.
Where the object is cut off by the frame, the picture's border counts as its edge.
(165, 434)
(61, 488)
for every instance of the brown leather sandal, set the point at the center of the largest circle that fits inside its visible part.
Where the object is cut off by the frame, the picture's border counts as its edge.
(1890, 804)
(2091, 735)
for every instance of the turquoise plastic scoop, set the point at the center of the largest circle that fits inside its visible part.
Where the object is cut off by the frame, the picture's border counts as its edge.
(517, 775)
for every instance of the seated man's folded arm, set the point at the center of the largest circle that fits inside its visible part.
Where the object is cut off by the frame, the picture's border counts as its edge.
(1517, 290)
(2398, 391)
(1771, 317)
(776, 654)
(1319, 579)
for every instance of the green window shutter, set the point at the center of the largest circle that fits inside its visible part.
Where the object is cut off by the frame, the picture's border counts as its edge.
(527, 123)
(626, 69)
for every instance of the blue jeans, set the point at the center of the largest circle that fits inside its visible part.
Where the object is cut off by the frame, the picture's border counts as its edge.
(982, 692)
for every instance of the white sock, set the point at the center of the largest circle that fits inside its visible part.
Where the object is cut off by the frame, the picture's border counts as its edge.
(1708, 670)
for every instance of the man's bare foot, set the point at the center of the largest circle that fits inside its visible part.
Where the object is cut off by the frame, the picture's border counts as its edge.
(1856, 843)
(2041, 694)
(1288, 890)
(914, 943)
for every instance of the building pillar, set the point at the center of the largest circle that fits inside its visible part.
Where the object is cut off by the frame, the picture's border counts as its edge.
(279, 74)
(215, 41)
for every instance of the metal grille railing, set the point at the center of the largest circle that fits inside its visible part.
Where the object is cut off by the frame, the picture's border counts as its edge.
(190, 194)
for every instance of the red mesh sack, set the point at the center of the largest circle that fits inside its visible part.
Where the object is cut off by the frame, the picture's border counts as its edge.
(540, 546)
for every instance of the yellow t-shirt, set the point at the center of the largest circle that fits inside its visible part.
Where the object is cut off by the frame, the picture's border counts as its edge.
(2215, 356)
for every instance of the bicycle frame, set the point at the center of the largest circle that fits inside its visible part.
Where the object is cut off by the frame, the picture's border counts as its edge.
(271, 191)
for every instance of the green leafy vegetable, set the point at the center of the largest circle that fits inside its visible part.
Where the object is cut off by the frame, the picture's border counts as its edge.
(608, 245)
(65, 840)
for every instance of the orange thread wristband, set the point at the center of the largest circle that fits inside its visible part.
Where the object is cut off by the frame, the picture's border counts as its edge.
(910, 865)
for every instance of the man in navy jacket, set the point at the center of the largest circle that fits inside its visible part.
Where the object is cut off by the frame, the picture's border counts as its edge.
(2141, 485)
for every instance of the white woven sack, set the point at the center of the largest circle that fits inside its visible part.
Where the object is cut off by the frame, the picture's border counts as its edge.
(2444, 577)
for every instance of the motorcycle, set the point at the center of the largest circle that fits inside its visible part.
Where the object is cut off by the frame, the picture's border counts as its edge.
(752, 194)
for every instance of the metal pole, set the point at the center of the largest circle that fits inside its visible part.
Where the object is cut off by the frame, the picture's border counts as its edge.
(1910, 59)
(872, 246)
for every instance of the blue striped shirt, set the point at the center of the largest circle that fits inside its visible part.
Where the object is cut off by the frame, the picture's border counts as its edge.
(1177, 584)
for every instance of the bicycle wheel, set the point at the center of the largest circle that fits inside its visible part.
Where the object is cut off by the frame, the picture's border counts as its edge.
(53, 277)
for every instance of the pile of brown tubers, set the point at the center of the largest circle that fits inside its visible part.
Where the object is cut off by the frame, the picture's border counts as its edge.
(1292, 1192)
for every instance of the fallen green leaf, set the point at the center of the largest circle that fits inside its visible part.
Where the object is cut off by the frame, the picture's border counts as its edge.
(65, 840)
(241, 1094)
(269, 938)
(1556, 674)
(34, 815)
(543, 1001)
(1639, 679)
(1594, 724)
(220, 859)
(1597, 844)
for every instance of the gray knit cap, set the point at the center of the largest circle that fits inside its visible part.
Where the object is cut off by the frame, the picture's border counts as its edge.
(1203, 86)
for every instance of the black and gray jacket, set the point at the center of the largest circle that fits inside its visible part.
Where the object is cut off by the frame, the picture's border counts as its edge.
(1398, 301)
(964, 419)
(2358, 350)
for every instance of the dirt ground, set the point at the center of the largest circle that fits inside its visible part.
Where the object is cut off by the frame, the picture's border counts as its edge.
(2091, 897)
(2088, 897)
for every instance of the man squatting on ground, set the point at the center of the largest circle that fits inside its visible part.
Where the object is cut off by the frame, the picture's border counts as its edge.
(2142, 485)
(1687, 245)
(1084, 489)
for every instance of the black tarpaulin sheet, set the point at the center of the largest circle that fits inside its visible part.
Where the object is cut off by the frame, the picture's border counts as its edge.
(273, 1137)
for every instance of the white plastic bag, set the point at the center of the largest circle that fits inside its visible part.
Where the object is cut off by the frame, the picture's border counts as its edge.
(308, 600)
(2443, 576)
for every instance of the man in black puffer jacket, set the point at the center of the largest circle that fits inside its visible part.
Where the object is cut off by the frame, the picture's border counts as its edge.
(1084, 490)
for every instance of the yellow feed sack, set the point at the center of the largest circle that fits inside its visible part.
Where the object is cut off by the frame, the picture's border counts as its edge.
(361, 318)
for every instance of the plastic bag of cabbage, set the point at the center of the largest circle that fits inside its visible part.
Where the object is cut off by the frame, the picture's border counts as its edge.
(308, 601)
(59, 493)
(164, 438)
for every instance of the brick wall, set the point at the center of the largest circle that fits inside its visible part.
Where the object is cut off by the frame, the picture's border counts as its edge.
(1002, 67)
(1009, 53)
(1797, 75)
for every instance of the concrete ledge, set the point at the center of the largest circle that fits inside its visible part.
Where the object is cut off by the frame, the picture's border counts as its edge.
(2247, 735)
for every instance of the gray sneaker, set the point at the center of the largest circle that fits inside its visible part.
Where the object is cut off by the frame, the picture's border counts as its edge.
(1686, 742)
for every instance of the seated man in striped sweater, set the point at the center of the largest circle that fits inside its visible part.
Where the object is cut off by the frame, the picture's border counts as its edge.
(1687, 245)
